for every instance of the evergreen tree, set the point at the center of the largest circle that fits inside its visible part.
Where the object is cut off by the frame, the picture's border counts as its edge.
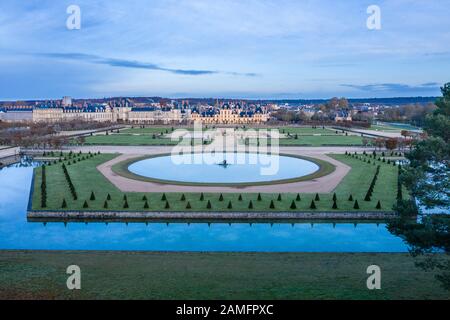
(298, 197)
(334, 197)
(108, 197)
(240, 197)
(313, 205)
(105, 205)
(350, 198)
(208, 205)
(335, 205)
(250, 205)
(92, 196)
(164, 197)
(183, 197)
(378, 205)
(64, 203)
(356, 205)
(317, 198)
(272, 204)
(167, 206)
(259, 197)
(230, 206)
(221, 197)
(144, 198)
(85, 204)
(293, 205)
(188, 205)
(125, 205)
(279, 197)
(202, 197)
(146, 206)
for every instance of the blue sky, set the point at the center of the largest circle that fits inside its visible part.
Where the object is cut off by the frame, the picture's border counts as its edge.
(223, 48)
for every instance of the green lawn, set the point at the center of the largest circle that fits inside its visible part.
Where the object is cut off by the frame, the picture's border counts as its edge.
(308, 131)
(150, 136)
(325, 140)
(86, 178)
(220, 276)
(129, 140)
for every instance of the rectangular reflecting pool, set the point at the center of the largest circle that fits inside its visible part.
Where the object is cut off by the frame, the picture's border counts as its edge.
(18, 233)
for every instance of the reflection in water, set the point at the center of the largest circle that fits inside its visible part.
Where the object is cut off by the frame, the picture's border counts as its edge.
(17, 233)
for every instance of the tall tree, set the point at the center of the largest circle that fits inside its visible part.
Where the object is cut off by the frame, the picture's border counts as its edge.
(427, 178)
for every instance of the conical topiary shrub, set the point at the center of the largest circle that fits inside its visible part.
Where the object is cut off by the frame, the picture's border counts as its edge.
(202, 197)
(240, 197)
(356, 205)
(64, 203)
(105, 205)
(313, 205)
(334, 205)
(378, 207)
(350, 198)
(146, 205)
(125, 205)
(167, 206)
(250, 205)
(259, 197)
(279, 197)
(208, 205)
(183, 197)
(230, 205)
(92, 198)
(272, 205)
(367, 198)
(293, 205)
(188, 205)
(221, 197)
(125, 198)
(334, 197)
(164, 197)
(85, 204)
(108, 197)
(317, 198)
(298, 197)
(144, 198)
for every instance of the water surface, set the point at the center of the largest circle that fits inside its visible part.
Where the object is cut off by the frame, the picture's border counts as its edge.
(17, 233)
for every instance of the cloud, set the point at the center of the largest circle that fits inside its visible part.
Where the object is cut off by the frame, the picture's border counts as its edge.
(123, 63)
(430, 86)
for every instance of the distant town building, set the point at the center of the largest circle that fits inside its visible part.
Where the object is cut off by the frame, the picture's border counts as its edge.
(66, 102)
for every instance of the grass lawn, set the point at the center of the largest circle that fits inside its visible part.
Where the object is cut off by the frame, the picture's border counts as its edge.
(308, 131)
(221, 276)
(158, 136)
(325, 140)
(128, 140)
(86, 178)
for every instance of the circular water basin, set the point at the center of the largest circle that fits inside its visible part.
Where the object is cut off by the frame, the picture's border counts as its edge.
(224, 168)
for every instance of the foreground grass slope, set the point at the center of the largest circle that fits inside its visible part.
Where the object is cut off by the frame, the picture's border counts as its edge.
(87, 179)
(133, 275)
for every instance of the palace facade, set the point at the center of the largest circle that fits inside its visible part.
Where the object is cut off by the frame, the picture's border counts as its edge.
(105, 113)
(230, 115)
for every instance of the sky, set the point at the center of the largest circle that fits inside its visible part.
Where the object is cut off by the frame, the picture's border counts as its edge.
(267, 49)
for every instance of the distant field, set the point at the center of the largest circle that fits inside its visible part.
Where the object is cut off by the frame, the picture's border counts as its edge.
(393, 127)
(128, 140)
(86, 179)
(295, 136)
(221, 276)
(316, 141)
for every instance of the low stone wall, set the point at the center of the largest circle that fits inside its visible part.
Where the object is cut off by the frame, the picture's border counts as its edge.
(111, 215)
(7, 152)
